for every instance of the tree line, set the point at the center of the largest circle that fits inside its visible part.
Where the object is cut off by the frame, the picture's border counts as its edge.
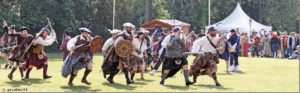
(282, 15)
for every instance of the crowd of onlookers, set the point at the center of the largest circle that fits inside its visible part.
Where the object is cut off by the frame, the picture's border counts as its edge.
(266, 44)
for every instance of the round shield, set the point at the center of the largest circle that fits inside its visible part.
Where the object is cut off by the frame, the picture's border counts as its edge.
(96, 44)
(124, 48)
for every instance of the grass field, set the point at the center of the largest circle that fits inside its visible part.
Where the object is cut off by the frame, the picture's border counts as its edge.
(257, 75)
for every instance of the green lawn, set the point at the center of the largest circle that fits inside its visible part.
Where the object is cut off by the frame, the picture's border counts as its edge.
(257, 75)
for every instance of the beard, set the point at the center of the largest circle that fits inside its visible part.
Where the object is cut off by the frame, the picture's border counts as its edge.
(213, 34)
(129, 32)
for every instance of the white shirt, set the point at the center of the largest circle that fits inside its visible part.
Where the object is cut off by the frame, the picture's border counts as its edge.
(71, 43)
(137, 45)
(48, 40)
(203, 44)
(109, 42)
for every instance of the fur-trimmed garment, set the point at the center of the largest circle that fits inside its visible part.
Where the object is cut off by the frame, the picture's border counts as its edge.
(204, 64)
(136, 63)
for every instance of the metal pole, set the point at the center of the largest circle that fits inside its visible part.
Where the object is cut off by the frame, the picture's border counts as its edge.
(208, 12)
(114, 13)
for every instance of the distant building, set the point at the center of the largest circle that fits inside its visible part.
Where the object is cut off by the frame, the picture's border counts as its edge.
(166, 24)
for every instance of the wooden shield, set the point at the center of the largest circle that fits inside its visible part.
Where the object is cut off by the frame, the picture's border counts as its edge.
(124, 48)
(96, 44)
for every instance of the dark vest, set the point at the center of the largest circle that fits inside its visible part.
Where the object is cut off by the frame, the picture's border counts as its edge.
(84, 48)
(176, 49)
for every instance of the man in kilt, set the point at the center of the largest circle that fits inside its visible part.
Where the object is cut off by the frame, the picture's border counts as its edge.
(174, 58)
(22, 39)
(6, 44)
(206, 63)
(79, 57)
(37, 56)
(137, 63)
(114, 63)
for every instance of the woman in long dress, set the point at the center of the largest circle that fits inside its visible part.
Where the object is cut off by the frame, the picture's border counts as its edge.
(245, 44)
(225, 53)
(267, 46)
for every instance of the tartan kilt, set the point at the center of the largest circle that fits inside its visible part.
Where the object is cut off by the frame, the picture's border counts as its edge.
(174, 65)
(136, 63)
(204, 61)
(76, 62)
(35, 61)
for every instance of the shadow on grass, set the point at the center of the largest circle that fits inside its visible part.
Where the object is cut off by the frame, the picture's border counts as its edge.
(140, 83)
(19, 83)
(76, 88)
(177, 87)
(119, 86)
(213, 87)
(225, 73)
(146, 80)
(239, 72)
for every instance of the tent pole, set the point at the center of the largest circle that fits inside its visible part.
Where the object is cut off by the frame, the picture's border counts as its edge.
(208, 12)
(114, 13)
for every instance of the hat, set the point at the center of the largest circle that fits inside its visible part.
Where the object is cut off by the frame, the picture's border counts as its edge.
(128, 25)
(176, 29)
(23, 28)
(83, 29)
(232, 30)
(212, 29)
(115, 31)
(45, 29)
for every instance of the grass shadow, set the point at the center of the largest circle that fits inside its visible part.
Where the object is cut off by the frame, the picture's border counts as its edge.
(140, 83)
(239, 72)
(177, 87)
(75, 88)
(119, 86)
(224, 73)
(15, 83)
(146, 80)
(213, 87)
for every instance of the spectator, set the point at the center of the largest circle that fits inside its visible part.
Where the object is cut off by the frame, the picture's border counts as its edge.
(244, 44)
(295, 54)
(267, 44)
(254, 44)
(274, 44)
(283, 43)
(291, 43)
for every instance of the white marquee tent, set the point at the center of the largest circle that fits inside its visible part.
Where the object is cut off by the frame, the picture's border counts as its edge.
(238, 19)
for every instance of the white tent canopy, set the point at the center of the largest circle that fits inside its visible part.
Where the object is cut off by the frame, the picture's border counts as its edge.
(238, 19)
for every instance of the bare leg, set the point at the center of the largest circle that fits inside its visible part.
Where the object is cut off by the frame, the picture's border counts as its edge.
(142, 68)
(186, 75)
(214, 75)
(227, 66)
(195, 77)
(164, 76)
